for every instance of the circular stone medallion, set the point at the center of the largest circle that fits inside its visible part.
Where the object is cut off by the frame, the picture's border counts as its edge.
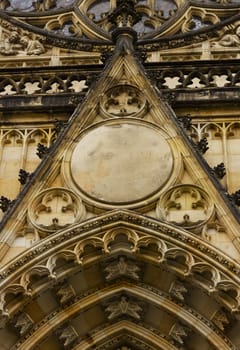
(123, 100)
(121, 162)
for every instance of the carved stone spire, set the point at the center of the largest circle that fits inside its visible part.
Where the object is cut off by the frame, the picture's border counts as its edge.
(124, 15)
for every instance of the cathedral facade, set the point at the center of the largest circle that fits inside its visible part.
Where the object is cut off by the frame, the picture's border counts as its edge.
(119, 175)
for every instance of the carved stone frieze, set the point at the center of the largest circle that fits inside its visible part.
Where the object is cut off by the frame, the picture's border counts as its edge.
(229, 39)
(188, 206)
(54, 209)
(123, 100)
(169, 80)
(15, 42)
(128, 309)
(129, 218)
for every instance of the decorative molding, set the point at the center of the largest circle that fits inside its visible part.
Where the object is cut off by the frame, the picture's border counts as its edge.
(123, 218)
(176, 333)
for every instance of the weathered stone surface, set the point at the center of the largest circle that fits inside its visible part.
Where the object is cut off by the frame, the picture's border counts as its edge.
(121, 162)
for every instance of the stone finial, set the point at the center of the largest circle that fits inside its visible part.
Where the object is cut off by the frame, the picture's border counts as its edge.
(125, 15)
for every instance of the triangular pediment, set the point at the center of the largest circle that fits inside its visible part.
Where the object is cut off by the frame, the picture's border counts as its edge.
(123, 148)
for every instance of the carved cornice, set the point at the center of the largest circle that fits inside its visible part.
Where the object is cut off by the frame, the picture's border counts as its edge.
(116, 218)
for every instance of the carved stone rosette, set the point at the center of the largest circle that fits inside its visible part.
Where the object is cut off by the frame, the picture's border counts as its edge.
(188, 206)
(54, 209)
(123, 101)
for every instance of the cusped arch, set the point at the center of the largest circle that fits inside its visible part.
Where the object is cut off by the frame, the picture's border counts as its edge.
(116, 283)
(137, 294)
(125, 235)
(87, 245)
(15, 136)
(37, 135)
(206, 274)
(61, 260)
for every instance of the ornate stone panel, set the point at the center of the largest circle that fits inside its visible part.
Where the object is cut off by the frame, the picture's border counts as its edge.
(188, 206)
(123, 100)
(54, 209)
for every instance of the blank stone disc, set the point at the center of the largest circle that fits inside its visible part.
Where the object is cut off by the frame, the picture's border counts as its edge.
(121, 163)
